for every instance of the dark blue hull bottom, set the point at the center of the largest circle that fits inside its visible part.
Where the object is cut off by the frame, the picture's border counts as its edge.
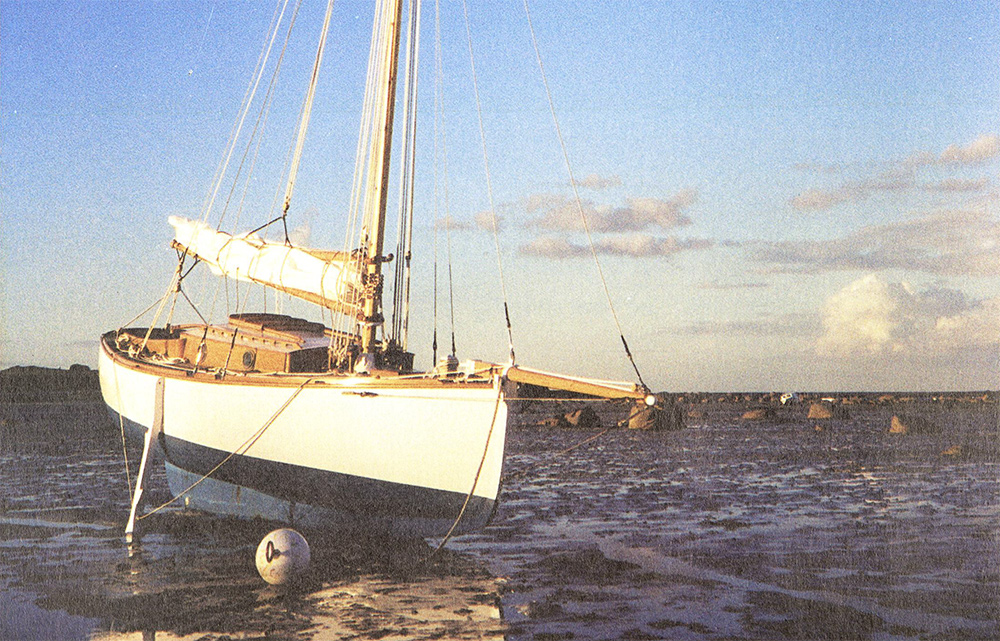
(248, 487)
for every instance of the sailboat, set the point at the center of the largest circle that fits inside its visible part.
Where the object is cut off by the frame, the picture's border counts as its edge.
(265, 415)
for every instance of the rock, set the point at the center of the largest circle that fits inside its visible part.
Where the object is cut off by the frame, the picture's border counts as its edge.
(758, 414)
(954, 450)
(583, 418)
(540, 609)
(826, 410)
(643, 417)
(820, 410)
(665, 415)
(911, 424)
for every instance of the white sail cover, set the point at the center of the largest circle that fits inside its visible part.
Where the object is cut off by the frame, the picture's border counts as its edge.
(332, 283)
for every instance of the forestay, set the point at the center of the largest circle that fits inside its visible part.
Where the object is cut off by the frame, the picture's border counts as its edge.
(330, 279)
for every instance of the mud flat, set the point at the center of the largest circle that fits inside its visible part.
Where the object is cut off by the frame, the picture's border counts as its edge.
(727, 529)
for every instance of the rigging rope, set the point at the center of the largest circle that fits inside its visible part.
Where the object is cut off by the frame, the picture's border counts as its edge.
(437, 197)
(183, 293)
(245, 108)
(434, 305)
(141, 314)
(441, 161)
(407, 173)
(576, 194)
(479, 471)
(256, 137)
(521, 472)
(163, 301)
(489, 182)
(177, 289)
(243, 113)
(361, 154)
(242, 449)
(306, 112)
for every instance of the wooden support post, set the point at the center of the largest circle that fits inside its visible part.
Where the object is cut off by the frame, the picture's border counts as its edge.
(151, 435)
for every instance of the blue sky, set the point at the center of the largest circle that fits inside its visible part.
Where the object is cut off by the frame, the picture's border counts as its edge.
(791, 195)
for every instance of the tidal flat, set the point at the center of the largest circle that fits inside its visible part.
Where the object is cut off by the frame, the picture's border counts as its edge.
(781, 528)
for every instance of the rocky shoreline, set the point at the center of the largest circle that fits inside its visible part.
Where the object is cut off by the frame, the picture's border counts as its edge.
(32, 384)
(80, 384)
(841, 398)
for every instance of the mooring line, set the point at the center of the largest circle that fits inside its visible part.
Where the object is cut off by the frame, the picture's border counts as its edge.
(561, 453)
(475, 482)
(245, 447)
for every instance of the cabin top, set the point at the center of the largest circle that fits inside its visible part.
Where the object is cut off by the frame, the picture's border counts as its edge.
(248, 342)
(277, 324)
(258, 342)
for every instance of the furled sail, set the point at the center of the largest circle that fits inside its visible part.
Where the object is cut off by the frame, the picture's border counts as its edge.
(330, 279)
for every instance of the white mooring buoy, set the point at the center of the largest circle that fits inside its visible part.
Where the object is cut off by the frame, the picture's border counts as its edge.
(282, 556)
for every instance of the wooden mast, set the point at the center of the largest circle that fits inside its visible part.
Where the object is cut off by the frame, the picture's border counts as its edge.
(378, 176)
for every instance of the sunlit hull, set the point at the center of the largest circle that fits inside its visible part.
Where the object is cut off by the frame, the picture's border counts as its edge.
(398, 456)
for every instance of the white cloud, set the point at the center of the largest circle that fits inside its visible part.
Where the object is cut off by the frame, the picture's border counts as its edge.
(958, 242)
(979, 150)
(732, 285)
(786, 325)
(486, 220)
(977, 326)
(819, 199)
(865, 316)
(593, 181)
(959, 185)
(640, 245)
(630, 245)
(449, 222)
(982, 148)
(900, 176)
(538, 202)
(638, 213)
(871, 317)
(302, 235)
(553, 247)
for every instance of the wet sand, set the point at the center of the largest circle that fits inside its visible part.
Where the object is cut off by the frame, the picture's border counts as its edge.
(727, 529)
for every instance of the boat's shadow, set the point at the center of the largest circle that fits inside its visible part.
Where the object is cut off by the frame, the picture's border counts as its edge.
(335, 554)
(196, 573)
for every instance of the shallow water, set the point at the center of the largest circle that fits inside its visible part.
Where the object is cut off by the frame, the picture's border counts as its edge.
(729, 529)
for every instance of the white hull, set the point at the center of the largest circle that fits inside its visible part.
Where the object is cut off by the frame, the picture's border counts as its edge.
(352, 451)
